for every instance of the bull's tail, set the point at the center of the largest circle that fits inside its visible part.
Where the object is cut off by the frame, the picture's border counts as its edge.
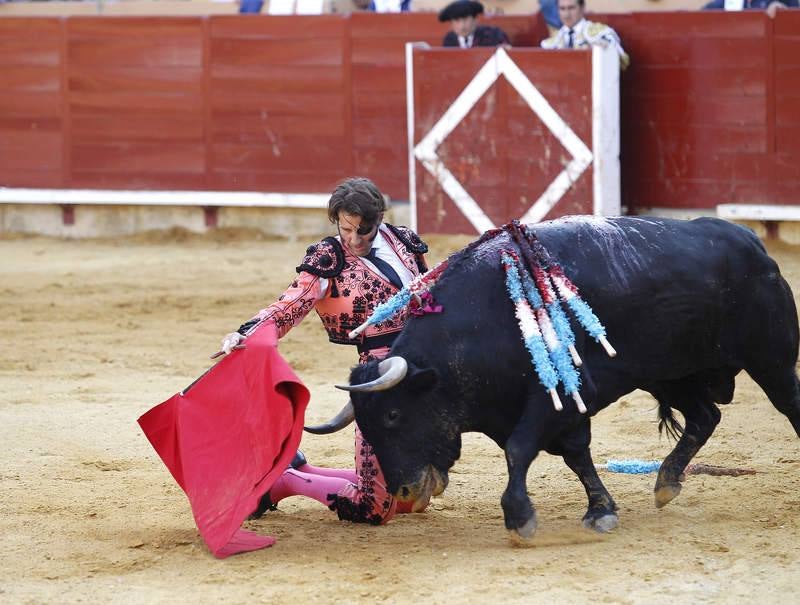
(667, 421)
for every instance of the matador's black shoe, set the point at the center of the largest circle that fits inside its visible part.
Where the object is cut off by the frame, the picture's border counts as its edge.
(265, 503)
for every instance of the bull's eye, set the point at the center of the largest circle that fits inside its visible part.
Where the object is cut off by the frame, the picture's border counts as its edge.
(392, 417)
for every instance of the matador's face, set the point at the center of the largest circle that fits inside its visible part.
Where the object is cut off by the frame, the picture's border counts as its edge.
(357, 235)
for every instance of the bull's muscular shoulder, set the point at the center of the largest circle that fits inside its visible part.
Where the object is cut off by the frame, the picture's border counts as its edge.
(410, 240)
(325, 259)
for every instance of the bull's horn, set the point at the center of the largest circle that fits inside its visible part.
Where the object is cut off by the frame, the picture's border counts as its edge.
(390, 372)
(337, 423)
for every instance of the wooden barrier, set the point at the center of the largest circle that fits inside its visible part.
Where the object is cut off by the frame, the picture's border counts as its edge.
(710, 110)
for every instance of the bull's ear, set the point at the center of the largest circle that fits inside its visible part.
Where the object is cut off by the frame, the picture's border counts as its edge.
(421, 379)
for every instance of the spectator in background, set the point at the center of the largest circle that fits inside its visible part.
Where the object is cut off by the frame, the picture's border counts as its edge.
(578, 32)
(250, 6)
(771, 6)
(465, 31)
(383, 6)
(549, 10)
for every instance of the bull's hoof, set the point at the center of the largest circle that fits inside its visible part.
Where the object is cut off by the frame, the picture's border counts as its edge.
(522, 536)
(666, 493)
(603, 523)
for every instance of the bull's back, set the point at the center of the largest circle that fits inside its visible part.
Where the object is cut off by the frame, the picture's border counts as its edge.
(675, 297)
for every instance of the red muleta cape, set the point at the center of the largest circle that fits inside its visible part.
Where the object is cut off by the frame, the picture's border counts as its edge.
(227, 437)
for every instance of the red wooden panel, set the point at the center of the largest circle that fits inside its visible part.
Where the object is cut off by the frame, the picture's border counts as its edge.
(138, 180)
(242, 52)
(787, 140)
(285, 153)
(149, 80)
(31, 178)
(134, 126)
(31, 78)
(787, 78)
(29, 104)
(31, 150)
(160, 28)
(682, 135)
(413, 27)
(277, 26)
(687, 25)
(8, 123)
(680, 108)
(787, 109)
(277, 79)
(787, 50)
(787, 23)
(381, 159)
(436, 212)
(261, 128)
(743, 53)
(30, 41)
(142, 102)
(381, 131)
(293, 181)
(379, 81)
(289, 103)
(138, 157)
(717, 80)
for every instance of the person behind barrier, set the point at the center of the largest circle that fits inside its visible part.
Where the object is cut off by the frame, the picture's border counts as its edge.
(465, 31)
(343, 279)
(770, 6)
(578, 32)
(383, 6)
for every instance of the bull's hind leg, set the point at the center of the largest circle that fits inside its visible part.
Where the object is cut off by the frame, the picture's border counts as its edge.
(783, 389)
(701, 417)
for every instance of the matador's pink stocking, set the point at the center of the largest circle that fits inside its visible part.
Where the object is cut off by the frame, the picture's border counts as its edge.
(298, 483)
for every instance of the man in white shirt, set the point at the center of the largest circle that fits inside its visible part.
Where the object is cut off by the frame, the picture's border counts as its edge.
(578, 32)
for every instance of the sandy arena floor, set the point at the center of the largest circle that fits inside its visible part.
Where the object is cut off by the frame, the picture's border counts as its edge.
(95, 333)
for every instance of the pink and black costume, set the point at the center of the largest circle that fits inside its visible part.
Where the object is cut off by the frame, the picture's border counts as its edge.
(344, 289)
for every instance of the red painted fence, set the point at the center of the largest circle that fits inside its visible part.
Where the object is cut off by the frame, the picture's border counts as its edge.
(710, 104)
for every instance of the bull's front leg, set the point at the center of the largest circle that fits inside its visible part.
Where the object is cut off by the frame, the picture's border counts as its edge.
(521, 448)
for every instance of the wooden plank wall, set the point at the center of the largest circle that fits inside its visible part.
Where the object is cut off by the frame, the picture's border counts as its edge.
(710, 111)
(501, 152)
(710, 103)
(32, 134)
(135, 103)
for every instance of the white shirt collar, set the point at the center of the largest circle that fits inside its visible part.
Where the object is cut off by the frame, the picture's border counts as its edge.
(578, 28)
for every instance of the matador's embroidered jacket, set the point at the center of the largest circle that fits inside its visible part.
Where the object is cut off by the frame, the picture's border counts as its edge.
(344, 291)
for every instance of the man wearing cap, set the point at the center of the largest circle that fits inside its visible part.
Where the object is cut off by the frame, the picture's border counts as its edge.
(578, 32)
(465, 32)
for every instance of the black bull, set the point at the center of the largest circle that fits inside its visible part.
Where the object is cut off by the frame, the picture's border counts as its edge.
(687, 305)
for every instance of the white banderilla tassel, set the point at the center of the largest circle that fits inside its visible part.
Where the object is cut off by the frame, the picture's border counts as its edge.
(576, 359)
(358, 330)
(556, 401)
(607, 346)
(579, 402)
